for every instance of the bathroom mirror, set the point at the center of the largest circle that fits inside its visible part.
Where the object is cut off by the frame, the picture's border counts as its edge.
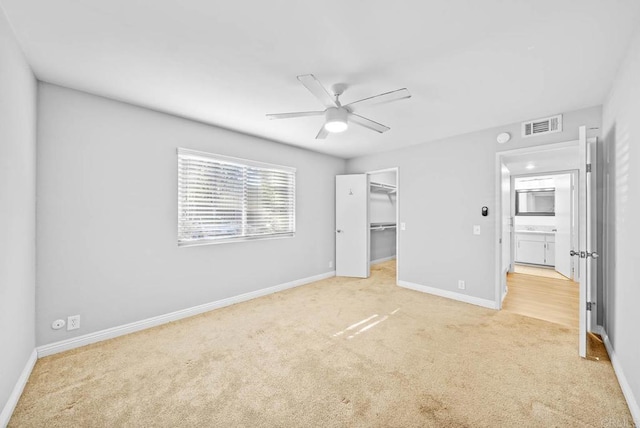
(535, 202)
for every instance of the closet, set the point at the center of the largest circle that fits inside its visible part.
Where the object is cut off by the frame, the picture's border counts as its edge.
(382, 216)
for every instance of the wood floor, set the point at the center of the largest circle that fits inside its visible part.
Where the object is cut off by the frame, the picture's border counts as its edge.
(538, 271)
(549, 299)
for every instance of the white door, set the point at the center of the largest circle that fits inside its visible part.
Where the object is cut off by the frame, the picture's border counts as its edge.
(584, 254)
(352, 225)
(563, 224)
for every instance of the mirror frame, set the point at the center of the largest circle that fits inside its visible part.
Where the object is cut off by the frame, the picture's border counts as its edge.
(530, 213)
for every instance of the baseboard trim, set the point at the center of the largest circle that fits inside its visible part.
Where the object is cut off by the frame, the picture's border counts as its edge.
(110, 333)
(12, 402)
(503, 285)
(634, 406)
(485, 303)
(600, 331)
(382, 260)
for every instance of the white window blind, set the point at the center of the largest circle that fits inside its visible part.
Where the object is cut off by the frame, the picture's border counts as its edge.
(224, 199)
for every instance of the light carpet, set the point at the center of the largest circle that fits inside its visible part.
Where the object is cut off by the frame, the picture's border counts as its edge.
(291, 359)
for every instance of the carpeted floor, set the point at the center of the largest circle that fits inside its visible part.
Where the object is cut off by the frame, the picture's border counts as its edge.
(307, 357)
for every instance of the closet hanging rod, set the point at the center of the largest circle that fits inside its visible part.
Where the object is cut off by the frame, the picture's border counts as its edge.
(382, 226)
(382, 188)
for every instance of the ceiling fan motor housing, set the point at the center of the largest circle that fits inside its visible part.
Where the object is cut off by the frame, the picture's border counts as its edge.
(336, 119)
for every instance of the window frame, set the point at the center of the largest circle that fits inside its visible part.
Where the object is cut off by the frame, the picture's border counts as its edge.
(244, 164)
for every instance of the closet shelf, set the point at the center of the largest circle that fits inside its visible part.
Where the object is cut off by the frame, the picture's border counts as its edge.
(382, 226)
(382, 188)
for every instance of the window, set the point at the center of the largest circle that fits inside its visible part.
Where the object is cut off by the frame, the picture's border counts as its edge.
(222, 199)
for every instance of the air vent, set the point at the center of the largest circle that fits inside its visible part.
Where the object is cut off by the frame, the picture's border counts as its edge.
(548, 125)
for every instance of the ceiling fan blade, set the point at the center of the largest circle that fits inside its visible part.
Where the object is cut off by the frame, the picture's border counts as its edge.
(315, 87)
(296, 114)
(368, 123)
(322, 134)
(396, 95)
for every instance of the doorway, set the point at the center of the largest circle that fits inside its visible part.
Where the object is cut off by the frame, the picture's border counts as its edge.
(545, 224)
(571, 155)
(383, 220)
(544, 218)
(366, 222)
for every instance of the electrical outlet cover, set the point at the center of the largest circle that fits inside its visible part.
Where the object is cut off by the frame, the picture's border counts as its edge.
(73, 322)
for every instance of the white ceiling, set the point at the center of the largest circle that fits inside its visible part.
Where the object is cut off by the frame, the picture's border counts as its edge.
(469, 64)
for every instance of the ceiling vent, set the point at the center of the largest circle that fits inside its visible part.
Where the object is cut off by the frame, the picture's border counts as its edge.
(548, 125)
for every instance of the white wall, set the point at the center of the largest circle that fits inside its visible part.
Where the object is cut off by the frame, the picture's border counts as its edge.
(17, 210)
(621, 167)
(444, 185)
(107, 215)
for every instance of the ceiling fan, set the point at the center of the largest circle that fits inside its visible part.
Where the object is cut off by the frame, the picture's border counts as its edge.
(338, 116)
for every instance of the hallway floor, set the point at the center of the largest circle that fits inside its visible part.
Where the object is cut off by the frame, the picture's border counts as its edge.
(549, 299)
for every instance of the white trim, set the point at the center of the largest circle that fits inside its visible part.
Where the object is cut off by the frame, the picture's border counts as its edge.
(110, 333)
(485, 303)
(382, 260)
(598, 329)
(634, 407)
(504, 288)
(11, 403)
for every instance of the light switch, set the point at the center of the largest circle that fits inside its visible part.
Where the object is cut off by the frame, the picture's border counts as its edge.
(476, 229)
(403, 226)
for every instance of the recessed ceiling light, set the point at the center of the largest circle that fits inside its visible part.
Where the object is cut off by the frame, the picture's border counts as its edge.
(530, 166)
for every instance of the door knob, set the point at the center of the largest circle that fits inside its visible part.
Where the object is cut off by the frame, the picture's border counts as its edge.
(573, 253)
(593, 255)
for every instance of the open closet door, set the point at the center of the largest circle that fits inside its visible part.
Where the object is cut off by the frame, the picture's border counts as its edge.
(352, 225)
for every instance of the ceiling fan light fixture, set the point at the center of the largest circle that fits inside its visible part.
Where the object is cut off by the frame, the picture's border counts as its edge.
(336, 120)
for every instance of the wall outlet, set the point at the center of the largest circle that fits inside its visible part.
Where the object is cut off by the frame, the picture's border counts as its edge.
(476, 229)
(73, 322)
(403, 226)
(57, 324)
(461, 284)
(331, 263)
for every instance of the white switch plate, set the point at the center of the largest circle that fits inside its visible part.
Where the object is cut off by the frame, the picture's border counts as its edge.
(403, 226)
(476, 229)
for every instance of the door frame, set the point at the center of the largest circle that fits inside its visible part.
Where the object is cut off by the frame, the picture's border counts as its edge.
(591, 148)
(378, 171)
(498, 218)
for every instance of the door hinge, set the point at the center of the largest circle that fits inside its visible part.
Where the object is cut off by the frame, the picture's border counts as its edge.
(591, 306)
(588, 167)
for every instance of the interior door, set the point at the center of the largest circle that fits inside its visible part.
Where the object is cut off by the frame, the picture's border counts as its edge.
(563, 224)
(352, 225)
(584, 236)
